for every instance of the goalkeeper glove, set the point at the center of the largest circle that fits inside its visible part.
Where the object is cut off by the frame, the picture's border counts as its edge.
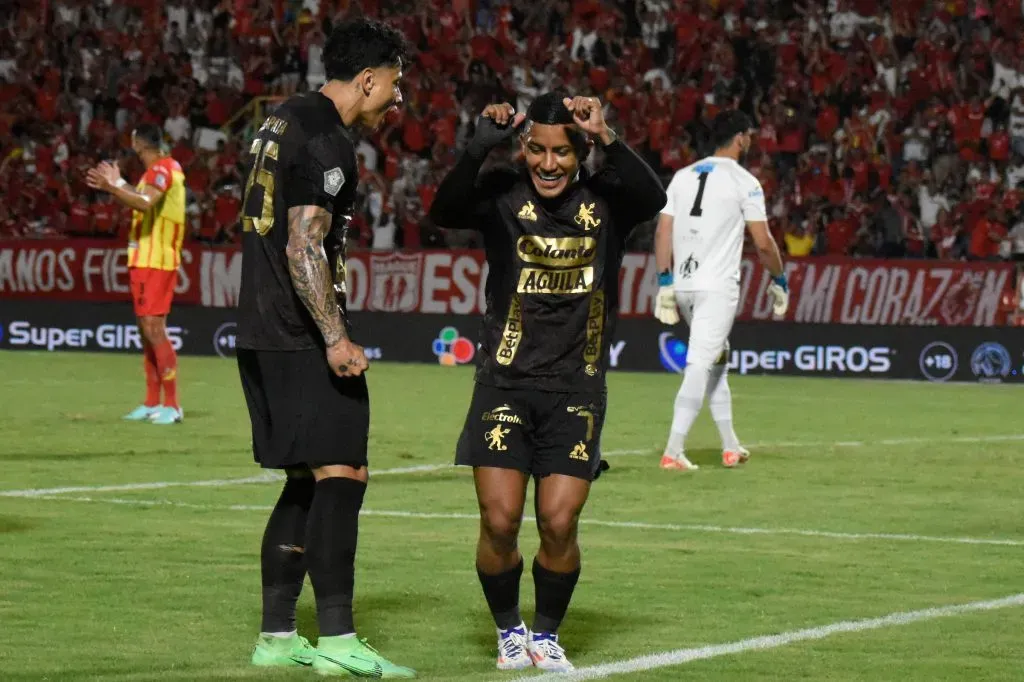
(665, 306)
(779, 292)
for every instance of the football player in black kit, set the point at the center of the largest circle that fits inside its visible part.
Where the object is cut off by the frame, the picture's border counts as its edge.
(301, 373)
(554, 236)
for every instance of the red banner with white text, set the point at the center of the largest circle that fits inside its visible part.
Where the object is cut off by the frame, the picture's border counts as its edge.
(823, 290)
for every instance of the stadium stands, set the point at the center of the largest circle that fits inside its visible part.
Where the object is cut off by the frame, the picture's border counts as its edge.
(882, 133)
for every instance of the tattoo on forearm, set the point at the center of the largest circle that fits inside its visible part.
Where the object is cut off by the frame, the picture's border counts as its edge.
(311, 271)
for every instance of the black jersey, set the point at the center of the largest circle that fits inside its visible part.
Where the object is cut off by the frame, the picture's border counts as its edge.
(553, 282)
(301, 156)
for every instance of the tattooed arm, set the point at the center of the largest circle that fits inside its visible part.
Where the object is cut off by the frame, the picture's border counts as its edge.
(311, 279)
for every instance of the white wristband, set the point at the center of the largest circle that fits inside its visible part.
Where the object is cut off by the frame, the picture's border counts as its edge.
(121, 182)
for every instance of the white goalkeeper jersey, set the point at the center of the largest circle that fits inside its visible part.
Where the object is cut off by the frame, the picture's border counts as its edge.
(711, 201)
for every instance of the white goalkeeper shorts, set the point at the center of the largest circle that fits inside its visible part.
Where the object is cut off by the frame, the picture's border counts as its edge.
(709, 315)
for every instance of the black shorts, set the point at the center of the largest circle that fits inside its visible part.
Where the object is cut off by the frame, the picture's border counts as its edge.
(302, 414)
(536, 432)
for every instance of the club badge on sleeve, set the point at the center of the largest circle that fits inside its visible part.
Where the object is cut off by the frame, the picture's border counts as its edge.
(333, 180)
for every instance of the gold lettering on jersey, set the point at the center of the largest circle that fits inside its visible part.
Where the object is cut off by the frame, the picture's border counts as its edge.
(527, 212)
(259, 176)
(275, 125)
(595, 330)
(559, 252)
(539, 281)
(512, 335)
(586, 218)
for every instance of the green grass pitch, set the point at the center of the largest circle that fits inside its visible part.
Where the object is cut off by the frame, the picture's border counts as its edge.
(162, 583)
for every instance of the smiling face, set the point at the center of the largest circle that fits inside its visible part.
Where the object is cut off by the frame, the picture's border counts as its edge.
(550, 157)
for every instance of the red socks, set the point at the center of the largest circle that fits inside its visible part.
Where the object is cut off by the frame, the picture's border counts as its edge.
(167, 367)
(152, 376)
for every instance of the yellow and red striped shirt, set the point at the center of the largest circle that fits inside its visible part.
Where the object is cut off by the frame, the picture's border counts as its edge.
(156, 235)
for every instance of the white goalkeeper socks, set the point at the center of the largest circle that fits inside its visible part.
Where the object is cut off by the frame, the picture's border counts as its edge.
(720, 402)
(689, 400)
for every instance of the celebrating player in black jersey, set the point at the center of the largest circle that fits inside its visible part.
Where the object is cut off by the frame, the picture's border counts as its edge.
(554, 236)
(301, 373)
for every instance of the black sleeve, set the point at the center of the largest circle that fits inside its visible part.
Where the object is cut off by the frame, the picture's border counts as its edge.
(313, 175)
(631, 185)
(464, 194)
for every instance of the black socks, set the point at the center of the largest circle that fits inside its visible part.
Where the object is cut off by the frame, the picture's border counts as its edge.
(553, 593)
(502, 594)
(331, 536)
(282, 555)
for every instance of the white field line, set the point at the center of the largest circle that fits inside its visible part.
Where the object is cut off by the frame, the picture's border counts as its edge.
(653, 450)
(267, 477)
(638, 525)
(680, 656)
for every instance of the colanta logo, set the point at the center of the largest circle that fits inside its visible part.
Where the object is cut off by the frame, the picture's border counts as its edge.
(672, 351)
(452, 349)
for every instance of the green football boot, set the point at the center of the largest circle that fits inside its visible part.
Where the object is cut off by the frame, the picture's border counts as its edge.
(283, 652)
(353, 657)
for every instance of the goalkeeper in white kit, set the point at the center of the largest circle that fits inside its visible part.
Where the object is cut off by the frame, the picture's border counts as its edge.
(698, 247)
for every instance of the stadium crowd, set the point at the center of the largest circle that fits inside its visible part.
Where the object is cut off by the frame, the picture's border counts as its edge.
(885, 129)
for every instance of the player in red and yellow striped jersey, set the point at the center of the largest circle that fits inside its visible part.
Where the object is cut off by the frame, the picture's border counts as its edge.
(154, 253)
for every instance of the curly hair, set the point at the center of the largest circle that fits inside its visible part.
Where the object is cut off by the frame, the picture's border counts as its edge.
(362, 44)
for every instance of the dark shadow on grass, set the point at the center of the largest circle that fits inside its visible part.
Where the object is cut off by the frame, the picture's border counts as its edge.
(706, 458)
(14, 524)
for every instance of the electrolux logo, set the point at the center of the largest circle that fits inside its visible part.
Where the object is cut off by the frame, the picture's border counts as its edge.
(672, 352)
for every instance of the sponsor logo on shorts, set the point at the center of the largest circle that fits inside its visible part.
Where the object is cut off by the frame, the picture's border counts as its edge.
(991, 362)
(452, 349)
(938, 361)
(224, 339)
(502, 414)
(495, 438)
(579, 452)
